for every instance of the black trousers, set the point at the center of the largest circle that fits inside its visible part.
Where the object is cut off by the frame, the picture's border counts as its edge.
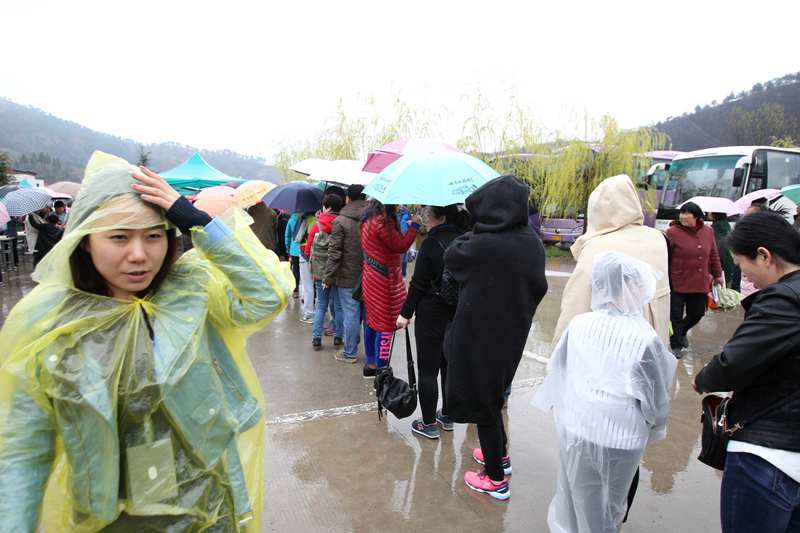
(694, 306)
(494, 445)
(430, 362)
(295, 262)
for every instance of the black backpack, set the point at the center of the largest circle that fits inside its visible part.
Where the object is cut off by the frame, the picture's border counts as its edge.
(446, 287)
(394, 394)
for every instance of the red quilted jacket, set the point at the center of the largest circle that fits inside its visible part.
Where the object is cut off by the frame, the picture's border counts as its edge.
(384, 294)
(695, 257)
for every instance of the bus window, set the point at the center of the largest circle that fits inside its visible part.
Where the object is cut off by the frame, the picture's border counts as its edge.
(783, 168)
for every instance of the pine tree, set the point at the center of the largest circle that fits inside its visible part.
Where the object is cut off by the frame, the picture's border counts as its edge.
(5, 168)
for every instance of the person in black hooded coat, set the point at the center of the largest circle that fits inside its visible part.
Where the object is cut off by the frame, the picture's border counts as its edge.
(500, 268)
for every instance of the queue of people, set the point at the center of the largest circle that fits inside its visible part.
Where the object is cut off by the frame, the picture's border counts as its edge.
(129, 365)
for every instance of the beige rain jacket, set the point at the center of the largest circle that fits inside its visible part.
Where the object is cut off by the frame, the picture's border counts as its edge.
(616, 224)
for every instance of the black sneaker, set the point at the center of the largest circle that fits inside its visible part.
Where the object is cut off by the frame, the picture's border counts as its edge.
(337, 341)
(444, 421)
(675, 343)
(429, 431)
(683, 341)
(317, 344)
(369, 373)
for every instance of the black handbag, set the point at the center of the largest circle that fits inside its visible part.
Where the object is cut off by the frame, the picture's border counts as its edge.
(394, 394)
(716, 431)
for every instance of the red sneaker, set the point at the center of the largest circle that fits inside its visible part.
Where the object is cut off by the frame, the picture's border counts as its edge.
(480, 482)
(477, 454)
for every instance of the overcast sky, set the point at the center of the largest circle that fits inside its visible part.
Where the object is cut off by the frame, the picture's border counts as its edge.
(250, 76)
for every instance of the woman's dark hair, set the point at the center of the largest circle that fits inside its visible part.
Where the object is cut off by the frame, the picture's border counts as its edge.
(389, 211)
(52, 218)
(765, 230)
(692, 208)
(86, 278)
(334, 201)
(453, 215)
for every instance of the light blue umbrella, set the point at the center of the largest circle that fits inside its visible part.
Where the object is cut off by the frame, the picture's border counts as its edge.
(430, 178)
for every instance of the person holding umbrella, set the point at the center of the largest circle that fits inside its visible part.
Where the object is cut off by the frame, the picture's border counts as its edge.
(127, 400)
(303, 200)
(384, 287)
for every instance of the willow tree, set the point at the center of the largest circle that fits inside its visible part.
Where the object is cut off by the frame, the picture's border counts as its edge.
(562, 172)
(352, 135)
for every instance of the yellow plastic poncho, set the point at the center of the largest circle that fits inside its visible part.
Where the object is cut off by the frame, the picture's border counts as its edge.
(141, 414)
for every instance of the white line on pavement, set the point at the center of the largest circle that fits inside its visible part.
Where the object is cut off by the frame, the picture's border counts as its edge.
(557, 274)
(317, 414)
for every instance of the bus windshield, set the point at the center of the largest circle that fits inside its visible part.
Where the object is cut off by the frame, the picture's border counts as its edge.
(700, 176)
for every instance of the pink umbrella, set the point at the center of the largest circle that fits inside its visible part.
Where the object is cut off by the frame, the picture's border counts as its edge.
(215, 200)
(747, 200)
(712, 204)
(387, 154)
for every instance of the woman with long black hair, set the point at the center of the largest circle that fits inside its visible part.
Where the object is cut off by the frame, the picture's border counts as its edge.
(444, 225)
(382, 280)
(760, 364)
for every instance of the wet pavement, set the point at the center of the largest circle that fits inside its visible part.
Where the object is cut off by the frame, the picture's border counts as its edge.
(331, 465)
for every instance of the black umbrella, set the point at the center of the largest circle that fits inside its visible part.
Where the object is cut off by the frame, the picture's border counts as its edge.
(297, 196)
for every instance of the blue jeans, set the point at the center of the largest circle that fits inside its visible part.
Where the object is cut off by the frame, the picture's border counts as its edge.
(351, 320)
(377, 347)
(757, 497)
(323, 298)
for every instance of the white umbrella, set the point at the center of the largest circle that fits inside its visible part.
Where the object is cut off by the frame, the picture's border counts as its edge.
(344, 172)
(310, 166)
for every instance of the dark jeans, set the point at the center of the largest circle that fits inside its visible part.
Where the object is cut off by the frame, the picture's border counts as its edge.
(757, 497)
(694, 304)
(430, 361)
(494, 445)
(295, 262)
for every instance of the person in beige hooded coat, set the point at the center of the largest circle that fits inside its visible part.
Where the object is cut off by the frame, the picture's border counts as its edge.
(616, 224)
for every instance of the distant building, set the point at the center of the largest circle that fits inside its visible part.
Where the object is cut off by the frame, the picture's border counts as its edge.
(20, 175)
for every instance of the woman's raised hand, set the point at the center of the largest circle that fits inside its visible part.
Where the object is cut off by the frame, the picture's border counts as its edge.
(154, 189)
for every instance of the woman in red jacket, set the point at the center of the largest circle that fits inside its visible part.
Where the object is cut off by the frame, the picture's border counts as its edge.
(694, 258)
(382, 279)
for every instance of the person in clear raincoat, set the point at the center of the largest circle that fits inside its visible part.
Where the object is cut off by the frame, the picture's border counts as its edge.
(608, 384)
(127, 401)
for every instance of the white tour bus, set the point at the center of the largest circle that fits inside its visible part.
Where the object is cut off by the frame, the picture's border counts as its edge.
(727, 172)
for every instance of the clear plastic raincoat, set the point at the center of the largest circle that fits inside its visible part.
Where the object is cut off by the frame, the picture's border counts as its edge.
(141, 414)
(608, 384)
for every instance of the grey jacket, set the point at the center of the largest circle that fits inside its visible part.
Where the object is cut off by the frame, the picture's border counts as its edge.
(345, 256)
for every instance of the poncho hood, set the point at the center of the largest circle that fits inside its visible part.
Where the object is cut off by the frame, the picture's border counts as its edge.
(105, 201)
(499, 205)
(613, 205)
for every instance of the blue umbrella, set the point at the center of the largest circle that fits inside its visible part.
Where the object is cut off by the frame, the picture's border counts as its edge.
(433, 178)
(296, 196)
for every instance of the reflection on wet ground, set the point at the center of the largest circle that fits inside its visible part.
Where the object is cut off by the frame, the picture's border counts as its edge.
(331, 465)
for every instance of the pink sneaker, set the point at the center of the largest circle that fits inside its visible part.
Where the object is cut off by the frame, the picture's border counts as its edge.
(477, 454)
(480, 482)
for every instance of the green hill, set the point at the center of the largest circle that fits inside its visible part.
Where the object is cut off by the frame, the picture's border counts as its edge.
(767, 114)
(58, 149)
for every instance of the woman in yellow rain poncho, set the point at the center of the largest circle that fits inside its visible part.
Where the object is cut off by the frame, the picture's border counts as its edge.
(127, 401)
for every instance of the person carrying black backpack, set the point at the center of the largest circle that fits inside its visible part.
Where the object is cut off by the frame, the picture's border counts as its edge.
(434, 315)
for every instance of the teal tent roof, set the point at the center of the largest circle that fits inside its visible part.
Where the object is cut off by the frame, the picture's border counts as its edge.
(195, 174)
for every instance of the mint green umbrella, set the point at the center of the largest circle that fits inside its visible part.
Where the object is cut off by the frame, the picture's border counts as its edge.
(792, 192)
(430, 178)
